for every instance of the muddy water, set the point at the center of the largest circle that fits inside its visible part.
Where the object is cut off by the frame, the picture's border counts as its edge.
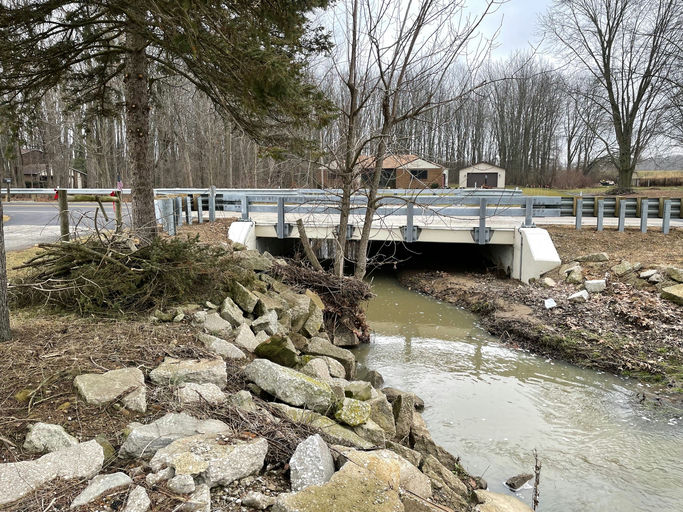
(601, 449)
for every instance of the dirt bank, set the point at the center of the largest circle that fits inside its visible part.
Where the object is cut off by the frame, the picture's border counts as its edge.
(628, 329)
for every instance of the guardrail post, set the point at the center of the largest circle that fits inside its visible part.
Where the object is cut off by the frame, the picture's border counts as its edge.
(529, 212)
(200, 209)
(245, 207)
(482, 222)
(666, 216)
(643, 215)
(171, 216)
(212, 204)
(579, 213)
(63, 215)
(188, 209)
(622, 215)
(280, 217)
(601, 213)
(409, 223)
(179, 210)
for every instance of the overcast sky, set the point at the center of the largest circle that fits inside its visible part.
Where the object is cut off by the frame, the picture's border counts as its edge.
(518, 24)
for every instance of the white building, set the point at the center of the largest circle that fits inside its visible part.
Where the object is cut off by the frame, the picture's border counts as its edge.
(482, 175)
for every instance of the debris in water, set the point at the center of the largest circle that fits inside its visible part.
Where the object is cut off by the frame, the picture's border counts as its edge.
(516, 482)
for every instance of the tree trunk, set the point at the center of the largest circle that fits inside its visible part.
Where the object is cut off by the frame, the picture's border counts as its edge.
(5, 334)
(137, 136)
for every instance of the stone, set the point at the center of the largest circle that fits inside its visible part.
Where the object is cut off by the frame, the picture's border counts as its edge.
(321, 347)
(210, 305)
(622, 268)
(260, 337)
(317, 368)
(332, 431)
(335, 368)
(199, 500)
(393, 393)
(403, 408)
(181, 484)
(17, 479)
(515, 482)
(46, 437)
(199, 317)
(314, 321)
(164, 316)
(102, 388)
(412, 456)
(243, 297)
(549, 303)
(101, 485)
(178, 318)
(594, 257)
(444, 480)
(201, 371)
(243, 400)
(568, 267)
(422, 442)
(580, 296)
(675, 274)
(353, 412)
(372, 432)
(381, 412)
(244, 337)
(299, 307)
(352, 488)
(160, 476)
(315, 299)
(656, 278)
(359, 389)
(548, 282)
(374, 378)
(258, 501)
(595, 285)
(673, 293)
(223, 348)
(231, 313)
(278, 349)
(494, 502)
(213, 459)
(414, 504)
(214, 324)
(267, 323)
(344, 337)
(253, 260)
(290, 386)
(311, 463)
(193, 393)
(575, 276)
(145, 440)
(647, 274)
(269, 302)
(138, 500)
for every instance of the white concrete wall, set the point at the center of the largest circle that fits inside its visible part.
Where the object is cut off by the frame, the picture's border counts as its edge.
(244, 233)
(534, 254)
(482, 168)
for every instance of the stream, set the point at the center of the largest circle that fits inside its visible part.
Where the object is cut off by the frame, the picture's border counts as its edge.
(491, 405)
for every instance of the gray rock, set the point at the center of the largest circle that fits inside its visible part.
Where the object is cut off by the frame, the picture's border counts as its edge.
(311, 463)
(214, 324)
(568, 267)
(199, 317)
(100, 485)
(176, 371)
(353, 412)
(656, 278)
(321, 347)
(594, 257)
(199, 501)
(100, 389)
(213, 459)
(393, 393)
(290, 386)
(17, 479)
(317, 368)
(445, 480)
(223, 348)
(622, 268)
(253, 260)
(515, 482)
(371, 431)
(232, 313)
(210, 305)
(314, 322)
(345, 337)
(160, 476)
(580, 296)
(494, 502)
(243, 400)
(359, 389)
(673, 293)
(412, 456)
(261, 337)
(374, 378)
(267, 323)
(647, 274)
(403, 407)
(145, 440)
(299, 308)
(182, 484)
(278, 349)
(335, 368)
(138, 500)
(45, 437)
(548, 282)
(422, 442)
(676, 274)
(258, 501)
(575, 276)
(245, 338)
(243, 297)
(193, 393)
(595, 285)
(382, 414)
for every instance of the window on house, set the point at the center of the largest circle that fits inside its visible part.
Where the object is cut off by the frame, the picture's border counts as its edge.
(419, 174)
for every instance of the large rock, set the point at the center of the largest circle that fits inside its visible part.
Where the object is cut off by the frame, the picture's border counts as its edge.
(622, 268)
(231, 313)
(253, 260)
(317, 368)
(345, 337)
(280, 350)
(580, 296)
(290, 386)
(321, 347)
(138, 500)
(299, 308)
(351, 489)
(494, 502)
(45, 437)
(101, 485)
(372, 432)
(213, 459)
(335, 368)
(100, 389)
(223, 348)
(594, 257)
(422, 442)
(311, 463)
(193, 393)
(517, 481)
(393, 393)
(676, 274)
(243, 297)
(214, 324)
(17, 479)
(243, 400)
(359, 389)
(595, 285)
(244, 337)
(575, 276)
(145, 440)
(674, 293)
(267, 323)
(314, 321)
(412, 456)
(403, 408)
(330, 429)
(353, 412)
(382, 413)
(445, 481)
(199, 500)
(176, 371)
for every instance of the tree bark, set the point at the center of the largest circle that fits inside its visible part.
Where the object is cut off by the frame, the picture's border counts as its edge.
(5, 334)
(137, 136)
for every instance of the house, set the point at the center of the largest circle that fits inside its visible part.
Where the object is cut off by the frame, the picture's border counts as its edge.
(482, 175)
(38, 173)
(398, 171)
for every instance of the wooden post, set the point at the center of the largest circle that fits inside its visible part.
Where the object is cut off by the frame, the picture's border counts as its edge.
(63, 215)
(308, 250)
(118, 213)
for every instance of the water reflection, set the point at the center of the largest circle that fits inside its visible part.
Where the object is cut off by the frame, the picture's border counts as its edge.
(492, 405)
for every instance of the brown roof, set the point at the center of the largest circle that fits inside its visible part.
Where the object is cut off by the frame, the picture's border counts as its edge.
(390, 162)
